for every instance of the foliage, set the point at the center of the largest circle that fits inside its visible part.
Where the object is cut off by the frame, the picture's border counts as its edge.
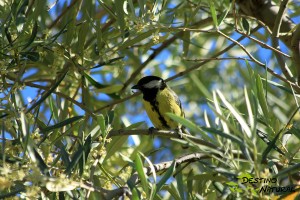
(71, 127)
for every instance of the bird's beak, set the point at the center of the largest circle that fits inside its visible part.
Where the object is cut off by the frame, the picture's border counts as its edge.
(136, 87)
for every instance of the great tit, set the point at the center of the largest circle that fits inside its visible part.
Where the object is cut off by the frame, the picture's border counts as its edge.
(159, 99)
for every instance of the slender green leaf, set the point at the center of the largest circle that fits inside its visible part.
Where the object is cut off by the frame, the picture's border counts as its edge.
(108, 89)
(240, 119)
(127, 159)
(262, 97)
(120, 15)
(73, 129)
(190, 125)
(87, 148)
(246, 25)
(271, 145)
(63, 153)
(101, 122)
(107, 8)
(114, 146)
(137, 39)
(71, 28)
(232, 126)
(166, 176)
(295, 131)
(107, 62)
(172, 189)
(54, 37)
(25, 137)
(32, 36)
(33, 56)
(61, 124)
(213, 13)
(8, 36)
(135, 194)
(142, 7)
(186, 43)
(200, 85)
(180, 185)
(282, 87)
(142, 175)
(112, 89)
(207, 122)
(223, 15)
(75, 159)
(93, 82)
(220, 113)
(54, 109)
(231, 137)
(109, 117)
(190, 181)
(41, 164)
(132, 9)
(287, 171)
(134, 126)
(153, 186)
(249, 108)
(82, 34)
(150, 165)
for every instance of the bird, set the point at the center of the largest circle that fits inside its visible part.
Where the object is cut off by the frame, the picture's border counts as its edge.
(159, 99)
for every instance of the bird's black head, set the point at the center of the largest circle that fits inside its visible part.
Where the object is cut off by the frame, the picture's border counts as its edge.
(149, 86)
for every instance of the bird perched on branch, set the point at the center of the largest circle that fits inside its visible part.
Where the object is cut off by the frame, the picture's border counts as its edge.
(159, 99)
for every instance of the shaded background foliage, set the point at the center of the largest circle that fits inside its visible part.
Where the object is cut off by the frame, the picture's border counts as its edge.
(67, 109)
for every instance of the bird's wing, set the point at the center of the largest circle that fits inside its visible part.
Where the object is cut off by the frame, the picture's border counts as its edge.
(178, 102)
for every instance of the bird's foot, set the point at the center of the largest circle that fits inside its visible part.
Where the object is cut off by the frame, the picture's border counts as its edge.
(151, 130)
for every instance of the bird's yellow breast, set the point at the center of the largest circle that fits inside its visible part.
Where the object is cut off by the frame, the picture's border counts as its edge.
(165, 102)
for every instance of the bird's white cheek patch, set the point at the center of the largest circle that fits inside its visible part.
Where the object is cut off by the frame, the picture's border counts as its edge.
(153, 84)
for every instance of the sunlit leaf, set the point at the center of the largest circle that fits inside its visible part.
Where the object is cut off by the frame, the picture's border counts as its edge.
(240, 119)
(213, 13)
(142, 175)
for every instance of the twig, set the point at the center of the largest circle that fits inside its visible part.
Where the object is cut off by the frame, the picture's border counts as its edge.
(105, 194)
(117, 102)
(279, 17)
(227, 58)
(149, 59)
(196, 66)
(263, 44)
(194, 157)
(261, 64)
(241, 46)
(275, 33)
(295, 45)
(162, 47)
(162, 133)
(62, 14)
(49, 7)
(30, 84)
